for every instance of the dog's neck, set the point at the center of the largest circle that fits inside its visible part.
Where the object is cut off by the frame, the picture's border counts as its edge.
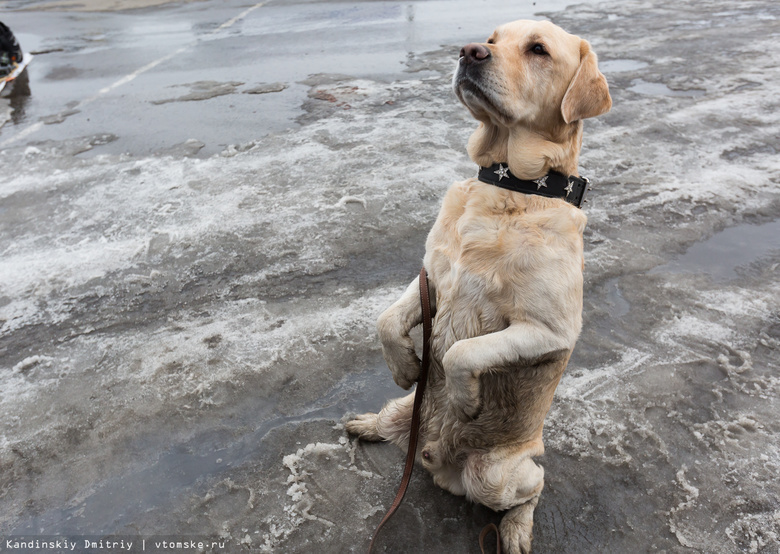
(528, 153)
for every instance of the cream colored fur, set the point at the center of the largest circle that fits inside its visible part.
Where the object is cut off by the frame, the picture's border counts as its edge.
(505, 271)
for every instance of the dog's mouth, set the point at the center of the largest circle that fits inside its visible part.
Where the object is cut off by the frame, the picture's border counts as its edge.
(472, 94)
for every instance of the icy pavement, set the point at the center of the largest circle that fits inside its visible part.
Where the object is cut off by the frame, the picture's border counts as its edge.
(183, 328)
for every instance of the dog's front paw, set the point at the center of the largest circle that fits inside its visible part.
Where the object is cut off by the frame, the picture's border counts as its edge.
(465, 407)
(402, 360)
(462, 391)
(405, 375)
(461, 384)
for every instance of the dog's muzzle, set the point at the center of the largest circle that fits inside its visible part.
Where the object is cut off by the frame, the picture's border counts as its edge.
(471, 83)
(473, 57)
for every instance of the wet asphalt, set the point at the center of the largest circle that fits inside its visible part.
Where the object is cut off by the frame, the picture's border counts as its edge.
(218, 72)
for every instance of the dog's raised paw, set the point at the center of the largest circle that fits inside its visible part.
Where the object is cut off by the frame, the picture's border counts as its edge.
(463, 398)
(364, 426)
(405, 369)
(465, 412)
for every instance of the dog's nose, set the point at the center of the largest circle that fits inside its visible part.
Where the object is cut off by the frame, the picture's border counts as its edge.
(474, 53)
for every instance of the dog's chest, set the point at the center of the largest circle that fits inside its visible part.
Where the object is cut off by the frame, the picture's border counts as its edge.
(493, 262)
(480, 278)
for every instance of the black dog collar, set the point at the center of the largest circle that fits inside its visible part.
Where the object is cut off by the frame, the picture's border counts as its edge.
(553, 185)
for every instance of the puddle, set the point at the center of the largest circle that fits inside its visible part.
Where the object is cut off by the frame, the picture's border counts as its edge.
(722, 254)
(619, 66)
(659, 89)
(617, 306)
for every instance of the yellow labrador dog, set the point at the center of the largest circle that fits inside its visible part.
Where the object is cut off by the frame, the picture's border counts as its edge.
(505, 271)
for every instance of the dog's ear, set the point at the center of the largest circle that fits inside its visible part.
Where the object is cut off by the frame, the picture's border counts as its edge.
(588, 92)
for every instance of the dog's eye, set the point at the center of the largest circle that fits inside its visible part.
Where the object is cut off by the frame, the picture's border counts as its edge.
(538, 49)
(491, 41)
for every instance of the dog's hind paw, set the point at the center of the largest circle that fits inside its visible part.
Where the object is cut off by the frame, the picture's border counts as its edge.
(516, 528)
(364, 426)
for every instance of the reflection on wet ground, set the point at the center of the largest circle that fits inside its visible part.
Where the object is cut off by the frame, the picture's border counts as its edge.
(643, 87)
(620, 65)
(14, 99)
(727, 254)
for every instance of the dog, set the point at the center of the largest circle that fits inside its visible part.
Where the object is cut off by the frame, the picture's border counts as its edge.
(506, 273)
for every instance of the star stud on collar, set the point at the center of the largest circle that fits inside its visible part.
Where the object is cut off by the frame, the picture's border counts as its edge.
(502, 172)
(569, 187)
(541, 182)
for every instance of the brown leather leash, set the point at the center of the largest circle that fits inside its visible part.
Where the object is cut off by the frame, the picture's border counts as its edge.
(425, 303)
(485, 531)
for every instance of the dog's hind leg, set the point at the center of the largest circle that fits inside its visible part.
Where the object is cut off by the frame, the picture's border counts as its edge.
(392, 423)
(507, 479)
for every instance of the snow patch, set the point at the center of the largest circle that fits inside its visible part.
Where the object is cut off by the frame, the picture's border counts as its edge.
(28, 363)
(691, 494)
(304, 467)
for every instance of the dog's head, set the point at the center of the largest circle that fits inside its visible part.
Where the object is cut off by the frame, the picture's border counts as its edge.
(531, 73)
